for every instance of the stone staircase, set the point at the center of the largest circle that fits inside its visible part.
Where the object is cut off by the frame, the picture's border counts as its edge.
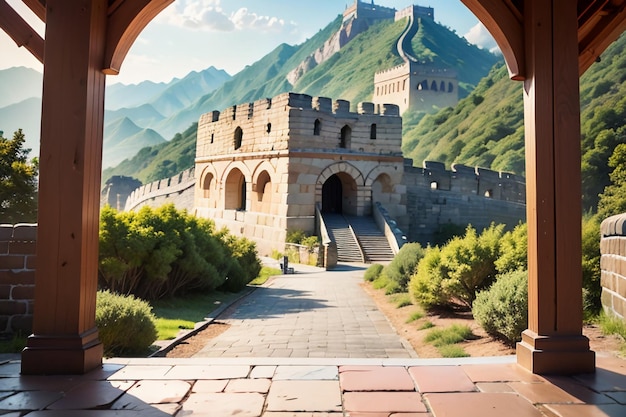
(373, 242)
(339, 231)
(370, 242)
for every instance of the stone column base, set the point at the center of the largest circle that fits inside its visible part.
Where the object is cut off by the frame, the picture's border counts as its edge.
(62, 355)
(563, 355)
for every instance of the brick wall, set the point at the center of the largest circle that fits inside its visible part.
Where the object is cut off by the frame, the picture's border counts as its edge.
(613, 265)
(17, 278)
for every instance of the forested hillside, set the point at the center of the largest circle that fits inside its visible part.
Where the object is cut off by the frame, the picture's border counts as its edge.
(348, 74)
(487, 127)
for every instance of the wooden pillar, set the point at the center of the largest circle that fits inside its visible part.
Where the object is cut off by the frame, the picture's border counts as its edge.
(553, 342)
(65, 339)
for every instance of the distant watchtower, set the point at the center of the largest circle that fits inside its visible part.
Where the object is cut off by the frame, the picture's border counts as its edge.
(415, 85)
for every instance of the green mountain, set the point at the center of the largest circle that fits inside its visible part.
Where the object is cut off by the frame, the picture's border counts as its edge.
(487, 127)
(347, 74)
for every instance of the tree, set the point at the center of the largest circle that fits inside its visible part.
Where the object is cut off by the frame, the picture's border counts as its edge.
(612, 201)
(18, 181)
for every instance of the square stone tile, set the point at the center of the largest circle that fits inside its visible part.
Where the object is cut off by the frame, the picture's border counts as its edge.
(208, 372)
(541, 393)
(154, 392)
(619, 396)
(383, 402)
(91, 394)
(289, 372)
(500, 373)
(139, 372)
(263, 371)
(224, 405)
(211, 385)
(587, 410)
(296, 414)
(248, 385)
(375, 378)
(38, 383)
(603, 380)
(477, 404)
(441, 379)
(29, 400)
(582, 393)
(320, 396)
(500, 387)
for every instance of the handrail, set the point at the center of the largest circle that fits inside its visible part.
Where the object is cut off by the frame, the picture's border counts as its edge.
(390, 228)
(356, 239)
(330, 247)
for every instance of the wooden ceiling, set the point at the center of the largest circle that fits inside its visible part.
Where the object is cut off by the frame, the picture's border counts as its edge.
(600, 22)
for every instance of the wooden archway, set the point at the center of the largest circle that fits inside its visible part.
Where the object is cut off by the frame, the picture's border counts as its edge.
(547, 44)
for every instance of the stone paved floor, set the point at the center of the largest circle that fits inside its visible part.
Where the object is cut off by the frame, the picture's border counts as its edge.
(313, 313)
(324, 387)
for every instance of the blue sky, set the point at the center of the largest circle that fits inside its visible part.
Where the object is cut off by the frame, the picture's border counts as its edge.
(229, 34)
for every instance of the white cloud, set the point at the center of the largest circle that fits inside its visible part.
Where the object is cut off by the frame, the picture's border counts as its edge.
(480, 36)
(209, 15)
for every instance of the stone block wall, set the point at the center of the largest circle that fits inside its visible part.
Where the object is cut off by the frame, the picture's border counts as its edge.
(17, 278)
(613, 265)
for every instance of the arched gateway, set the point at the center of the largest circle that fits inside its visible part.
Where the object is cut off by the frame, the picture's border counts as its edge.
(546, 43)
(321, 163)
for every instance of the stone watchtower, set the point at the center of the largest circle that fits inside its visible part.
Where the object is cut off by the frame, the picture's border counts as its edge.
(262, 168)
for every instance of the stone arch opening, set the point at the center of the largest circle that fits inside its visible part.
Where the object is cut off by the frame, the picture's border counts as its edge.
(345, 137)
(235, 191)
(263, 192)
(339, 194)
(206, 185)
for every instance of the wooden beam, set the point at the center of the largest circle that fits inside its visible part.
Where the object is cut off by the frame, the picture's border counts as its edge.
(126, 21)
(553, 342)
(594, 40)
(20, 31)
(65, 338)
(503, 22)
(38, 7)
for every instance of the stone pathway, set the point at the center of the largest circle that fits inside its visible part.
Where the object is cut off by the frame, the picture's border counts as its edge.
(313, 313)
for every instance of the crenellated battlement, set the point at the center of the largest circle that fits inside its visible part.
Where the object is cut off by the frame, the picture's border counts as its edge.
(467, 180)
(291, 122)
(156, 193)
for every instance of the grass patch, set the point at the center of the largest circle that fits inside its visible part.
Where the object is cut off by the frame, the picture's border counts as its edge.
(416, 315)
(265, 274)
(13, 344)
(450, 335)
(612, 325)
(179, 313)
(452, 351)
(426, 325)
(401, 299)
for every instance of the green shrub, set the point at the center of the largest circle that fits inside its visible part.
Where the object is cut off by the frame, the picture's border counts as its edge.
(592, 290)
(426, 284)
(403, 265)
(373, 272)
(295, 236)
(310, 242)
(245, 265)
(125, 324)
(416, 315)
(451, 276)
(502, 310)
(513, 250)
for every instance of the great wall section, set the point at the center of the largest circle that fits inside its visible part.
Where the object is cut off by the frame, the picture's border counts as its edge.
(431, 197)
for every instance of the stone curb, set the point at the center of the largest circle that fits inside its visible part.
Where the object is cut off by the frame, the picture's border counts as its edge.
(198, 327)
